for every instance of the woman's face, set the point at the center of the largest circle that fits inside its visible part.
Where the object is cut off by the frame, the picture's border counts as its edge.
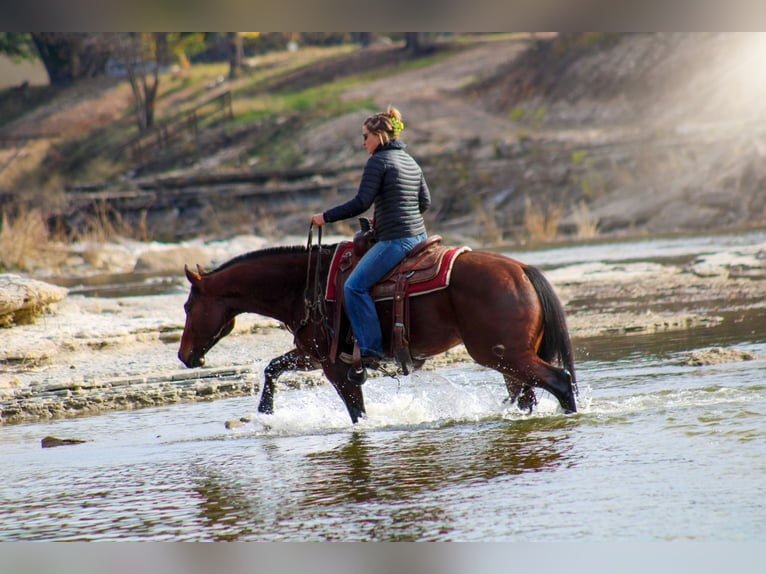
(369, 140)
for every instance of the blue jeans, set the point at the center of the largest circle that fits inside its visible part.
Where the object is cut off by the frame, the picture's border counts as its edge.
(379, 260)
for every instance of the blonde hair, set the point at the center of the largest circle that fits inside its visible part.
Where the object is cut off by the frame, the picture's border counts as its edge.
(385, 125)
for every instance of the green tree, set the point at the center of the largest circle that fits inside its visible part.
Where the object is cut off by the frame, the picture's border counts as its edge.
(17, 45)
(70, 56)
(141, 54)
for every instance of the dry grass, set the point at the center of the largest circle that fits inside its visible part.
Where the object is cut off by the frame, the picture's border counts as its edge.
(541, 225)
(585, 222)
(106, 224)
(25, 242)
(491, 233)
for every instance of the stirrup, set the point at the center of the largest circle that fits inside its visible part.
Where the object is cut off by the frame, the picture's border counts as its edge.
(371, 362)
(357, 377)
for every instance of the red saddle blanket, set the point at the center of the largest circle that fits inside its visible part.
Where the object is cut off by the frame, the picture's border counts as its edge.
(428, 271)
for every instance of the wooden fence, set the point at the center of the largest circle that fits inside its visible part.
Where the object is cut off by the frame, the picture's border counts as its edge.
(162, 134)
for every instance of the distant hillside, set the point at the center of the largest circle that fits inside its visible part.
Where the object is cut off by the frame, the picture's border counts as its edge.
(522, 139)
(658, 132)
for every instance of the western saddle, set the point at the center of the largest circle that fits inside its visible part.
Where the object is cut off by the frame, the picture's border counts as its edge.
(421, 266)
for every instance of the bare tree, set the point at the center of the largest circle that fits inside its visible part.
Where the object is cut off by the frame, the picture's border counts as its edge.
(141, 54)
(362, 38)
(417, 42)
(236, 54)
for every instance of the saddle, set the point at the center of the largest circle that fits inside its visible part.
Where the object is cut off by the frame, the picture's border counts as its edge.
(425, 269)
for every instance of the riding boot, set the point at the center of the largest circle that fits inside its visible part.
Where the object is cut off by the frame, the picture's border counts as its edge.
(370, 361)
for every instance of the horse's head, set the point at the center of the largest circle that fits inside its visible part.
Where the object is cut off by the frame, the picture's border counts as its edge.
(208, 320)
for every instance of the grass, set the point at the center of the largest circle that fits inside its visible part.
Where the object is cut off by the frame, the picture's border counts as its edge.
(25, 242)
(92, 153)
(14, 102)
(319, 102)
(276, 98)
(541, 224)
(586, 223)
(105, 224)
(323, 100)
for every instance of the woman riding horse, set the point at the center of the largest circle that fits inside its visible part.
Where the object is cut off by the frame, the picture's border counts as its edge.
(393, 181)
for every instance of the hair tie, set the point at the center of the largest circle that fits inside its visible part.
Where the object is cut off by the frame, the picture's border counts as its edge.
(396, 126)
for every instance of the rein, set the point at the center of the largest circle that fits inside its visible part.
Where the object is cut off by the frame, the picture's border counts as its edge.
(313, 302)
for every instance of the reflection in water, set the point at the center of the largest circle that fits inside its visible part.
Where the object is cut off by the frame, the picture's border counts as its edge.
(659, 451)
(377, 486)
(355, 457)
(225, 510)
(392, 477)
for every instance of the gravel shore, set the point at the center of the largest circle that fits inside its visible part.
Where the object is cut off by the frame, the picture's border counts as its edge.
(90, 355)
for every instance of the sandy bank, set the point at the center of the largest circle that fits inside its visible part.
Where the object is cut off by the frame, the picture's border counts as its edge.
(92, 354)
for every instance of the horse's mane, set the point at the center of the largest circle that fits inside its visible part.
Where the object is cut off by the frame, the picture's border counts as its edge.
(269, 252)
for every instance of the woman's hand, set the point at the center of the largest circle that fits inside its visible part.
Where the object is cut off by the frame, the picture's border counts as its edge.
(317, 219)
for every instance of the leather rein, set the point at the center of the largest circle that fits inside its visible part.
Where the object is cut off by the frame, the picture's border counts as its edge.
(313, 299)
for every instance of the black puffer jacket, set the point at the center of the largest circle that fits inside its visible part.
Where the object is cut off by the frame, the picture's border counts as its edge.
(394, 182)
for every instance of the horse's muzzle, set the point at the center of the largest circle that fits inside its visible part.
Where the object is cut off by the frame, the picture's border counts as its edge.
(192, 359)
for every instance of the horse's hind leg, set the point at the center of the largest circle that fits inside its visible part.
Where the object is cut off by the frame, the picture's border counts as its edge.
(293, 360)
(556, 381)
(522, 374)
(520, 393)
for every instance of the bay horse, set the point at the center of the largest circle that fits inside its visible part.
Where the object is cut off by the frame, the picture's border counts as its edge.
(504, 312)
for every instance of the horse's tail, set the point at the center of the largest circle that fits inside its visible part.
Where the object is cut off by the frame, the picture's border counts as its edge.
(556, 344)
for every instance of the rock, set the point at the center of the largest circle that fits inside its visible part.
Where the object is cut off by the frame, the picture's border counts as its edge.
(106, 256)
(27, 353)
(52, 441)
(172, 260)
(234, 423)
(716, 355)
(728, 263)
(22, 299)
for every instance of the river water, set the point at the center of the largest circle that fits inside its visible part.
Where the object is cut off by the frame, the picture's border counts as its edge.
(658, 451)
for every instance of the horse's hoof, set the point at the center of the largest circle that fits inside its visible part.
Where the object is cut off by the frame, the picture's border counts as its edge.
(356, 377)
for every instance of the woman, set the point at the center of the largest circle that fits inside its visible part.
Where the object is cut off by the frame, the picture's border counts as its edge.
(394, 183)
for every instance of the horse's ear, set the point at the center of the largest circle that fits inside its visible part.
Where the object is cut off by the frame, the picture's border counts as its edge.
(200, 270)
(192, 276)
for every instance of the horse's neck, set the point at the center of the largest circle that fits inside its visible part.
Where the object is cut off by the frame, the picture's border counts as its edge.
(272, 286)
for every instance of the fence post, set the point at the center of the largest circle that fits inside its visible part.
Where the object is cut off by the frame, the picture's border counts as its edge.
(229, 111)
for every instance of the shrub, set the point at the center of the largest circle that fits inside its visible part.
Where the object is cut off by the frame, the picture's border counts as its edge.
(541, 226)
(585, 222)
(24, 241)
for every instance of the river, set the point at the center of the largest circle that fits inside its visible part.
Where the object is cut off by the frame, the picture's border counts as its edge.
(659, 451)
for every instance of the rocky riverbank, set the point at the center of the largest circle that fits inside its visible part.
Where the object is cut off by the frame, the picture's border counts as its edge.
(88, 355)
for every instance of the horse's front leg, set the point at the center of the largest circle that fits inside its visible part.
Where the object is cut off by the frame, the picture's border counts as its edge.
(293, 360)
(350, 393)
